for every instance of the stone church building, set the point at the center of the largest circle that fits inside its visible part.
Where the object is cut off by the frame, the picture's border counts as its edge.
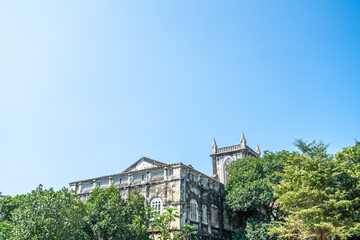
(197, 197)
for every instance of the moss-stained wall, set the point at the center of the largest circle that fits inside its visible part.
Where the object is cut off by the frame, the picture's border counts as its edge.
(197, 197)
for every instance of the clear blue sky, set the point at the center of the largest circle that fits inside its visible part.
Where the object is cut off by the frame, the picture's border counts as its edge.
(89, 87)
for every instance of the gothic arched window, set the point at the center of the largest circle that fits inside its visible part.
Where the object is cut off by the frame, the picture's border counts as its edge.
(193, 210)
(156, 203)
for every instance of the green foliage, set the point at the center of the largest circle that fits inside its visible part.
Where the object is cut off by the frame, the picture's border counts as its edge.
(111, 217)
(7, 206)
(248, 187)
(312, 194)
(5, 229)
(256, 229)
(239, 234)
(317, 194)
(43, 214)
(313, 149)
(186, 232)
(49, 214)
(250, 195)
(161, 222)
(351, 155)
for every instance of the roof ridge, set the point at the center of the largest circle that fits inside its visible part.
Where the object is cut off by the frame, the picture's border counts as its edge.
(144, 159)
(152, 160)
(123, 173)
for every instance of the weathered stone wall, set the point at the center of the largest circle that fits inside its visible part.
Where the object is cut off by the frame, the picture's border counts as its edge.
(197, 197)
(163, 183)
(208, 194)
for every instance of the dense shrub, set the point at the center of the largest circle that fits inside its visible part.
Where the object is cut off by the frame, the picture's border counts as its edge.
(256, 229)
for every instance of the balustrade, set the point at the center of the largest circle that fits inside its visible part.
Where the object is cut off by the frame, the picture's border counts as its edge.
(229, 148)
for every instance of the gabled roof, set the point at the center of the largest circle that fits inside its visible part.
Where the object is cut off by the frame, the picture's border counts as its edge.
(144, 163)
(157, 165)
(151, 164)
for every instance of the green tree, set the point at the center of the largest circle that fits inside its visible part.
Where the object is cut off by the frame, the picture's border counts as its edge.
(351, 155)
(43, 214)
(256, 229)
(250, 195)
(49, 214)
(7, 206)
(186, 232)
(248, 187)
(111, 217)
(316, 195)
(161, 223)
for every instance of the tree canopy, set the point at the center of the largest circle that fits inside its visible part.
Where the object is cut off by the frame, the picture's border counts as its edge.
(318, 194)
(309, 194)
(161, 225)
(248, 188)
(109, 216)
(43, 214)
(49, 214)
(250, 195)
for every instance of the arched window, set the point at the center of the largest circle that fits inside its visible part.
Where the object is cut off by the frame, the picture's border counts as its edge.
(193, 210)
(156, 203)
(204, 213)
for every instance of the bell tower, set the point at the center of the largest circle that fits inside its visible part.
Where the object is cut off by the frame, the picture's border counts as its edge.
(222, 156)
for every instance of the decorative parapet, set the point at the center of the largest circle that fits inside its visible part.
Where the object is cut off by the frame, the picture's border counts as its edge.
(234, 148)
(230, 148)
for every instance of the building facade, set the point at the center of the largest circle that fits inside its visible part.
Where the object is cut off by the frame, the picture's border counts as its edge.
(2, 196)
(197, 197)
(223, 156)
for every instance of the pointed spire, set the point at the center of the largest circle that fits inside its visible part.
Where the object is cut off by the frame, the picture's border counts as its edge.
(258, 149)
(214, 146)
(243, 140)
(214, 143)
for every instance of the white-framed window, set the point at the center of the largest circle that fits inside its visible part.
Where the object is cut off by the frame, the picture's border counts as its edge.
(204, 213)
(156, 203)
(193, 210)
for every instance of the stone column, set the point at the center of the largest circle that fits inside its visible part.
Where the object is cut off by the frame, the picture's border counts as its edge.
(200, 208)
(214, 165)
(165, 173)
(147, 177)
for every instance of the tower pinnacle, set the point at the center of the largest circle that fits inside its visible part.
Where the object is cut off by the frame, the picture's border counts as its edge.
(243, 140)
(214, 146)
(258, 149)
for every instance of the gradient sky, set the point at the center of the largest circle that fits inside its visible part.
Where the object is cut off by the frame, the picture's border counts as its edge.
(89, 87)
